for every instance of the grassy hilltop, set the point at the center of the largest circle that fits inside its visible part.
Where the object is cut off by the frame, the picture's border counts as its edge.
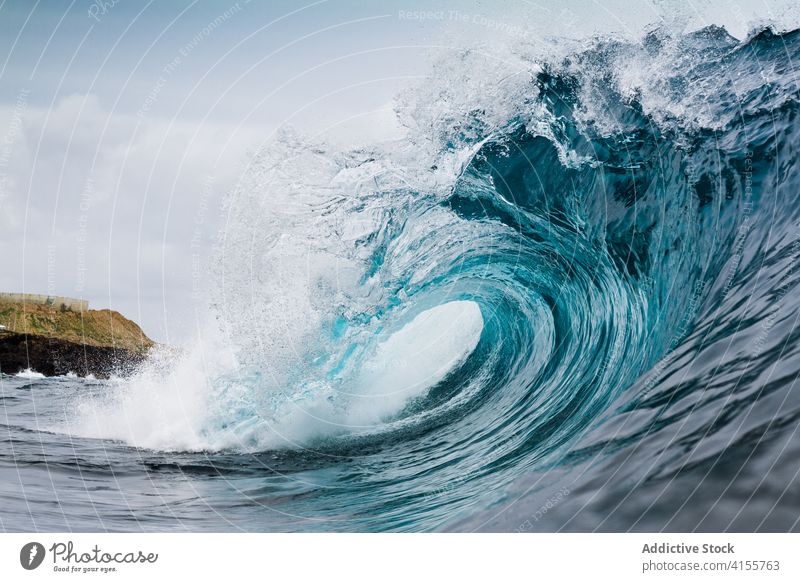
(94, 327)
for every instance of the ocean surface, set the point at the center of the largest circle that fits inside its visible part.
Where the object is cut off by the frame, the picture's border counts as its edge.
(565, 300)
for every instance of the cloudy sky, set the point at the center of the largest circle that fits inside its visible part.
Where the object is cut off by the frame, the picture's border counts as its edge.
(124, 122)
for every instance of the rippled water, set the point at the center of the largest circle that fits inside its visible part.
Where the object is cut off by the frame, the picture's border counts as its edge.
(565, 300)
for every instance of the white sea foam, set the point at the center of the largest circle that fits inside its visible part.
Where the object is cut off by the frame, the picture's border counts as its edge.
(203, 401)
(29, 374)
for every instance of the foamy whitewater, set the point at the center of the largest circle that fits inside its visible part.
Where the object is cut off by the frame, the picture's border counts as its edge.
(564, 298)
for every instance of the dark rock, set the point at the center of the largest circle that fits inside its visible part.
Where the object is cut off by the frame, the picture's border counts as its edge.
(55, 357)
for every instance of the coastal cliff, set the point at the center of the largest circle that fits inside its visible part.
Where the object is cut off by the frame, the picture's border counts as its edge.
(54, 339)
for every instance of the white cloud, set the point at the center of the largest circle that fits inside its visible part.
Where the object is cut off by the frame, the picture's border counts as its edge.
(112, 207)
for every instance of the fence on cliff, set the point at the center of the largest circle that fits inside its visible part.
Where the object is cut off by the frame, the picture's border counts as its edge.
(52, 300)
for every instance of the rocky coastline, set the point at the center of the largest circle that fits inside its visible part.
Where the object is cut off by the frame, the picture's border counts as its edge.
(53, 339)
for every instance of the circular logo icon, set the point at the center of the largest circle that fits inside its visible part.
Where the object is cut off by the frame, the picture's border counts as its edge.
(31, 555)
